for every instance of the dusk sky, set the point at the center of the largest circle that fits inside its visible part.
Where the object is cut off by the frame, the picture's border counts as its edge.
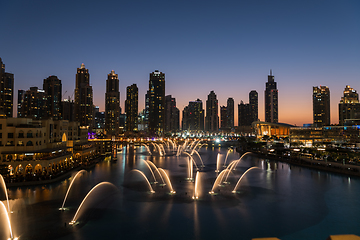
(225, 46)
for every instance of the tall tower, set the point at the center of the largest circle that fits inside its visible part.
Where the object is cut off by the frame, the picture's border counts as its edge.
(83, 98)
(349, 106)
(53, 89)
(212, 116)
(172, 115)
(6, 91)
(112, 105)
(223, 117)
(131, 108)
(230, 113)
(35, 104)
(193, 116)
(21, 94)
(321, 106)
(271, 100)
(156, 102)
(253, 101)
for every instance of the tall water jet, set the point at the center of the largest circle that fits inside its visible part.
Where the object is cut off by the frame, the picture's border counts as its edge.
(218, 163)
(197, 182)
(190, 169)
(238, 183)
(147, 148)
(3, 184)
(197, 153)
(146, 179)
(230, 168)
(67, 192)
(162, 147)
(152, 173)
(167, 180)
(157, 170)
(218, 180)
(192, 160)
(159, 149)
(8, 222)
(241, 158)
(227, 154)
(74, 220)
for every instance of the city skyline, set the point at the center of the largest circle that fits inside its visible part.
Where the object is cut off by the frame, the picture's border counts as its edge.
(228, 49)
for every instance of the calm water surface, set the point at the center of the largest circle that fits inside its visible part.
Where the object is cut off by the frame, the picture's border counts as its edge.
(274, 200)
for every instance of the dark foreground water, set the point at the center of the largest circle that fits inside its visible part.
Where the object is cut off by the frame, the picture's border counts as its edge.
(274, 200)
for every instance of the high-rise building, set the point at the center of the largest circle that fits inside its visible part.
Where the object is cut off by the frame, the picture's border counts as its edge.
(244, 115)
(193, 116)
(68, 110)
(172, 115)
(6, 91)
(230, 113)
(112, 104)
(83, 98)
(223, 117)
(156, 102)
(271, 100)
(131, 108)
(212, 116)
(21, 94)
(53, 88)
(99, 118)
(349, 106)
(253, 101)
(321, 106)
(35, 104)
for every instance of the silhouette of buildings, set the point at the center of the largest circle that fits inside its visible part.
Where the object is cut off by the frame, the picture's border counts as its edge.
(131, 108)
(321, 106)
(172, 115)
(349, 106)
(112, 105)
(53, 89)
(156, 96)
(271, 100)
(83, 98)
(6, 91)
(193, 116)
(212, 116)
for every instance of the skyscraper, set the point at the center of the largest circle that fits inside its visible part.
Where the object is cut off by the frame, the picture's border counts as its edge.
(53, 89)
(230, 113)
(83, 98)
(321, 106)
(6, 91)
(112, 104)
(35, 104)
(244, 116)
(212, 116)
(253, 101)
(156, 102)
(349, 106)
(223, 117)
(271, 100)
(172, 115)
(193, 116)
(131, 108)
(21, 94)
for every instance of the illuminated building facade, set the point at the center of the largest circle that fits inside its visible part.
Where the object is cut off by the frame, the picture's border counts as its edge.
(53, 88)
(6, 91)
(131, 108)
(349, 106)
(35, 104)
(172, 115)
(156, 96)
(193, 116)
(21, 94)
(112, 104)
(244, 114)
(321, 106)
(83, 98)
(223, 117)
(271, 100)
(230, 113)
(254, 103)
(212, 116)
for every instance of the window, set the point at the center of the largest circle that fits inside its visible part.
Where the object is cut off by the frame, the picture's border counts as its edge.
(29, 143)
(10, 135)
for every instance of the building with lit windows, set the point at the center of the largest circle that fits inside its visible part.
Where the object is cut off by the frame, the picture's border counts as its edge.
(53, 88)
(35, 104)
(212, 116)
(321, 106)
(193, 116)
(21, 94)
(172, 115)
(83, 107)
(131, 108)
(271, 100)
(156, 96)
(112, 105)
(230, 113)
(349, 106)
(6, 91)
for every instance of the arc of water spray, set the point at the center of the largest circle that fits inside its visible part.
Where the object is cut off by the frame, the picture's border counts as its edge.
(238, 183)
(230, 168)
(196, 190)
(6, 193)
(219, 179)
(8, 220)
(227, 154)
(73, 221)
(147, 164)
(147, 148)
(154, 166)
(71, 183)
(234, 165)
(168, 179)
(147, 180)
(192, 159)
(202, 163)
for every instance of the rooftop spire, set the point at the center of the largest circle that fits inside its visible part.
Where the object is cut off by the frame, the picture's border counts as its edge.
(270, 72)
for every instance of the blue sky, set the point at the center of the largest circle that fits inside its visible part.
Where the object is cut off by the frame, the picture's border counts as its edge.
(226, 46)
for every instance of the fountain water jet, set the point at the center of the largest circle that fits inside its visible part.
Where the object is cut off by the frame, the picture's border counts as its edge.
(3, 184)
(147, 148)
(147, 164)
(157, 170)
(230, 168)
(192, 160)
(168, 180)
(227, 154)
(190, 169)
(8, 221)
(74, 220)
(196, 190)
(218, 163)
(197, 153)
(218, 180)
(238, 183)
(146, 179)
(67, 192)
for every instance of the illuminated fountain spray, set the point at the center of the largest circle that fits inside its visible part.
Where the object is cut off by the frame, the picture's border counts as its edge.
(233, 165)
(238, 183)
(218, 180)
(157, 170)
(146, 179)
(197, 153)
(8, 222)
(218, 163)
(158, 148)
(67, 192)
(227, 154)
(193, 160)
(75, 218)
(147, 148)
(162, 147)
(190, 169)
(152, 173)
(3, 184)
(197, 182)
(178, 153)
(167, 180)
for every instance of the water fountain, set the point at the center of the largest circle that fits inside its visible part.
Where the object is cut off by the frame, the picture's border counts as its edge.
(238, 183)
(218, 163)
(75, 218)
(167, 180)
(196, 189)
(8, 222)
(3, 184)
(218, 180)
(192, 160)
(157, 170)
(67, 192)
(197, 153)
(146, 179)
(147, 148)
(227, 154)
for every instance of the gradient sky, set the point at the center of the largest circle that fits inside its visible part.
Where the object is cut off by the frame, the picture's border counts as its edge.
(225, 46)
